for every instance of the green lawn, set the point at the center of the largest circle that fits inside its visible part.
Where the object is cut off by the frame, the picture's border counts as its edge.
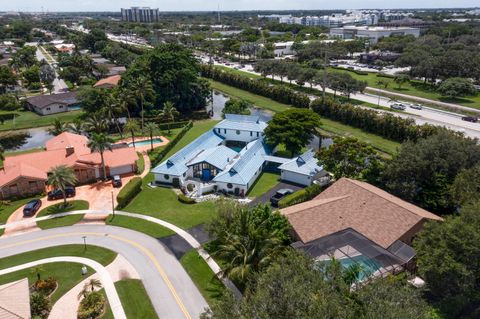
(62, 221)
(135, 299)
(210, 286)
(7, 208)
(163, 203)
(67, 274)
(28, 119)
(264, 183)
(139, 225)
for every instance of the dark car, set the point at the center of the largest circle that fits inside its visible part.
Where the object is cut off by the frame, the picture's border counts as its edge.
(117, 181)
(31, 207)
(58, 194)
(470, 119)
(281, 193)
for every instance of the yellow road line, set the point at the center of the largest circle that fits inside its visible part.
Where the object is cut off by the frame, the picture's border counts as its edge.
(128, 241)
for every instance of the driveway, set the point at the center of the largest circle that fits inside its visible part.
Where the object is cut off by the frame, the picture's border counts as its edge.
(265, 198)
(172, 292)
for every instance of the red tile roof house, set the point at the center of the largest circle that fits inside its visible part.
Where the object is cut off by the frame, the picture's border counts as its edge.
(108, 83)
(358, 223)
(26, 174)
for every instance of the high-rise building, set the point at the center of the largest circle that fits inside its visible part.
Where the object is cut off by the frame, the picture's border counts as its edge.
(140, 14)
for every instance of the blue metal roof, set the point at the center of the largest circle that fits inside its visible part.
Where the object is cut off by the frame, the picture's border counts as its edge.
(250, 160)
(176, 165)
(218, 156)
(305, 164)
(242, 123)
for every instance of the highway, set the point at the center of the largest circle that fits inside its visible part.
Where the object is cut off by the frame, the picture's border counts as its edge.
(169, 287)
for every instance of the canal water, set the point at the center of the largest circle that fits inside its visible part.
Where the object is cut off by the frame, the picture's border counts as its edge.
(34, 138)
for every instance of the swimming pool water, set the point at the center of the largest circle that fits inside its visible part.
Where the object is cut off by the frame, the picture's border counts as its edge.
(369, 266)
(146, 142)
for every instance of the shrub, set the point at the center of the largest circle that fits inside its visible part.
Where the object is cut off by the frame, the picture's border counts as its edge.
(46, 286)
(91, 306)
(133, 187)
(157, 156)
(39, 305)
(300, 196)
(185, 199)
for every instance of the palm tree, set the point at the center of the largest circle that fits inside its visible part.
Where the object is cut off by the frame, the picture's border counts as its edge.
(132, 127)
(76, 126)
(58, 127)
(89, 287)
(96, 123)
(151, 128)
(142, 88)
(37, 271)
(169, 113)
(100, 143)
(60, 177)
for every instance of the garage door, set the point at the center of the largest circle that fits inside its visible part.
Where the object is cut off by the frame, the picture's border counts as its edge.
(120, 170)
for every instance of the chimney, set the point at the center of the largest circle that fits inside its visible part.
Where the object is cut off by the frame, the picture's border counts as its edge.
(69, 150)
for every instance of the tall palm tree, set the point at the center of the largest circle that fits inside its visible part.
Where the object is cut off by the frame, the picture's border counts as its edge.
(151, 128)
(100, 143)
(111, 111)
(96, 124)
(58, 127)
(76, 126)
(37, 270)
(142, 88)
(60, 177)
(132, 127)
(169, 113)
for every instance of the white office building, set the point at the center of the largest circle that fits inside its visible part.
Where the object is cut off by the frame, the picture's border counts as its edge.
(372, 34)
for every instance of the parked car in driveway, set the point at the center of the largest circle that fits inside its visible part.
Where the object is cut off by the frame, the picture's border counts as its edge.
(281, 193)
(58, 194)
(31, 207)
(472, 119)
(117, 181)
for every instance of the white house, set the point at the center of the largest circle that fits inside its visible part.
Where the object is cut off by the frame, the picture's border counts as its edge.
(302, 170)
(53, 103)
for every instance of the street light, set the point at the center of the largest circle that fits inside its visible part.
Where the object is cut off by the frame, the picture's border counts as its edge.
(84, 242)
(113, 206)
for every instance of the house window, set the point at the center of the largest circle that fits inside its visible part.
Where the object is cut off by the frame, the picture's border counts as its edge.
(229, 185)
(258, 134)
(238, 132)
(48, 109)
(166, 176)
(224, 131)
(251, 133)
(60, 106)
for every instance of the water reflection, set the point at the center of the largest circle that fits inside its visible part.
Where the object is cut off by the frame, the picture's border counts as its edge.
(34, 138)
(218, 103)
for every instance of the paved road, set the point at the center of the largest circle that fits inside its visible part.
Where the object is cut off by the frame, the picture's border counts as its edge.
(171, 290)
(106, 280)
(59, 84)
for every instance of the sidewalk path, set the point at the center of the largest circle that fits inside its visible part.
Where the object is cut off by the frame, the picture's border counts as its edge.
(103, 275)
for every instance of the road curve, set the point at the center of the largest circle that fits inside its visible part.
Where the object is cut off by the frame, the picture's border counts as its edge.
(106, 280)
(169, 287)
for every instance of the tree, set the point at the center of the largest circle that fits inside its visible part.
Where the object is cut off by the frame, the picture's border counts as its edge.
(47, 75)
(100, 143)
(96, 123)
(447, 258)
(151, 128)
(89, 287)
(169, 113)
(32, 74)
(93, 99)
(132, 127)
(40, 305)
(294, 128)
(401, 79)
(7, 78)
(466, 186)
(9, 102)
(71, 74)
(457, 87)
(142, 88)
(76, 126)
(423, 171)
(60, 177)
(37, 271)
(58, 127)
(349, 157)
(236, 106)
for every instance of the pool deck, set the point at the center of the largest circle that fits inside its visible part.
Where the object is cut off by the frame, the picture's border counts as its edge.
(146, 147)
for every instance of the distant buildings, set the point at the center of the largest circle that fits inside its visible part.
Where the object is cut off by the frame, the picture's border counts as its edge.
(140, 14)
(373, 34)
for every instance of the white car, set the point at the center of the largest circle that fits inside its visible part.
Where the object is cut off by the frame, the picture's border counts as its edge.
(398, 106)
(416, 106)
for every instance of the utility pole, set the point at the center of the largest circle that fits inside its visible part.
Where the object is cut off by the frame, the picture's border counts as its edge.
(113, 206)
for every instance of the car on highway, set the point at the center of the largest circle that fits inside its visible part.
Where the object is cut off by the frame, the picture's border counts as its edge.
(116, 181)
(398, 106)
(281, 193)
(58, 194)
(31, 207)
(416, 106)
(472, 119)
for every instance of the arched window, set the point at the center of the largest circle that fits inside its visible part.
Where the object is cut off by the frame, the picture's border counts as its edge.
(229, 185)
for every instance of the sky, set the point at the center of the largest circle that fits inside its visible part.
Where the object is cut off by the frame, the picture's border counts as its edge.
(225, 5)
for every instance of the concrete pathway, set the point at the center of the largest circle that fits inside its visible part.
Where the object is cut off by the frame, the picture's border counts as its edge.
(66, 307)
(103, 275)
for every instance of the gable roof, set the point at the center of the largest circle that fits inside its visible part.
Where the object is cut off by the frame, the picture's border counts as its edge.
(376, 214)
(242, 123)
(42, 101)
(65, 139)
(218, 156)
(109, 81)
(15, 300)
(21, 170)
(305, 164)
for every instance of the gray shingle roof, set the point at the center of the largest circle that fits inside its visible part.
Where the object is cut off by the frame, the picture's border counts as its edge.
(42, 101)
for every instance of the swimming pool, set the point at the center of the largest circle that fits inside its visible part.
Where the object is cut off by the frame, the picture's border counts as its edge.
(146, 142)
(368, 265)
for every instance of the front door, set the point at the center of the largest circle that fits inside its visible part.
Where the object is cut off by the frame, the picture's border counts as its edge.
(206, 175)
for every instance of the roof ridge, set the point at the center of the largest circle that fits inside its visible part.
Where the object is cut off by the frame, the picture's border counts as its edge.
(312, 203)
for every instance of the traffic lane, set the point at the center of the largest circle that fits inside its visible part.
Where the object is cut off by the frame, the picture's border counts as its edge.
(169, 287)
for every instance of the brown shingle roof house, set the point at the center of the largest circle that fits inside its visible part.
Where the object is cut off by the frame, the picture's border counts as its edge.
(372, 212)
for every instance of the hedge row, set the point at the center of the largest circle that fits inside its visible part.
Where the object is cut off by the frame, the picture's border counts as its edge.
(157, 156)
(279, 93)
(185, 199)
(382, 124)
(300, 196)
(165, 126)
(133, 187)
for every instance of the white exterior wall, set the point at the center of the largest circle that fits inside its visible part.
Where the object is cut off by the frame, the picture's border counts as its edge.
(51, 109)
(161, 178)
(296, 178)
(231, 135)
(283, 48)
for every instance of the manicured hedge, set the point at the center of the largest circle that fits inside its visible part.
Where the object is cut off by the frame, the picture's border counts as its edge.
(186, 200)
(157, 156)
(300, 196)
(279, 93)
(133, 187)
